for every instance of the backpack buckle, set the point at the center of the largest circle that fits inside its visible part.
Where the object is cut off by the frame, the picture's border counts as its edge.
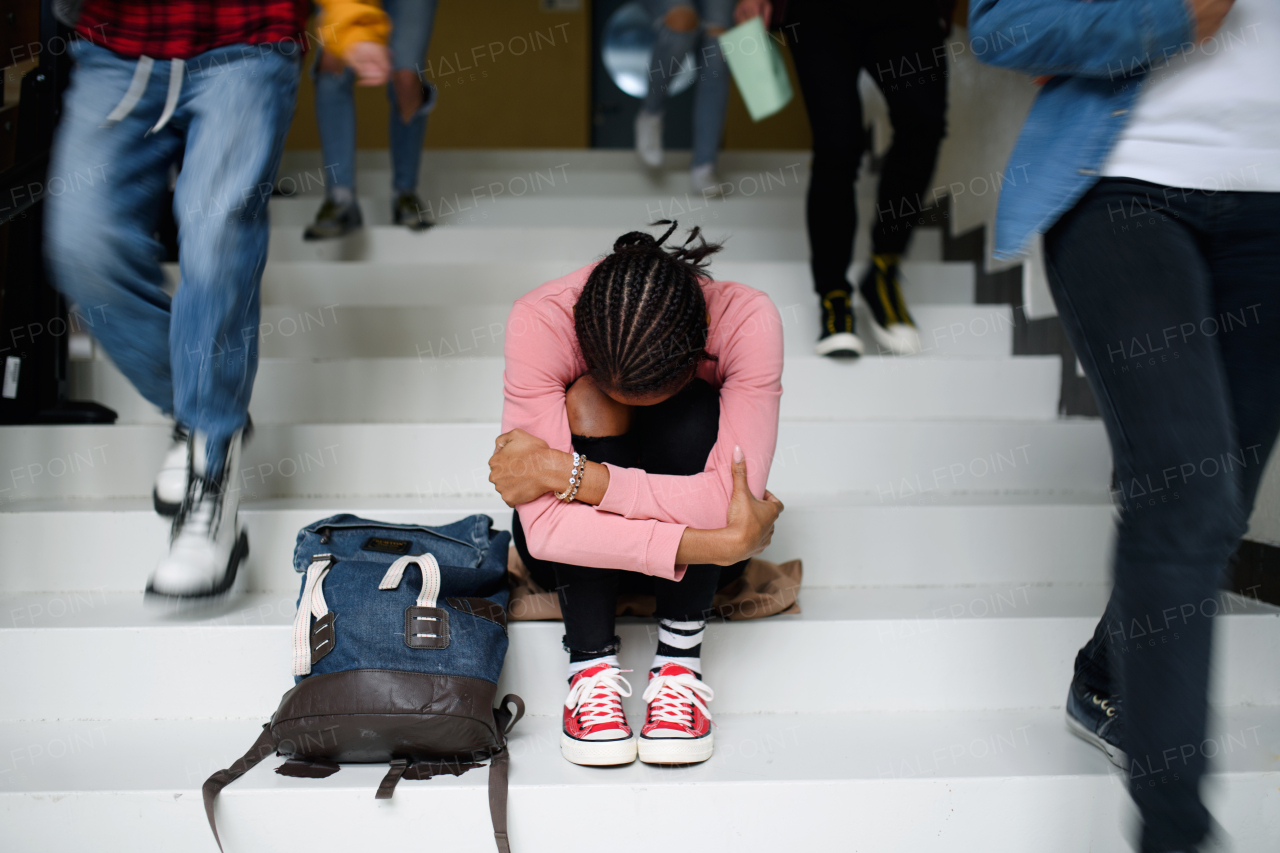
(426, 627)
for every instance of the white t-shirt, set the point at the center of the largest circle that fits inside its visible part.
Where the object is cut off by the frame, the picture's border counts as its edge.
(1209, 117)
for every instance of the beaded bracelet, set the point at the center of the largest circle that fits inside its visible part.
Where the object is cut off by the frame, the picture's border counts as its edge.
(575, 479)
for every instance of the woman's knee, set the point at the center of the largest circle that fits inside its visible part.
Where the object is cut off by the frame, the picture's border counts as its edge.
(593, 413)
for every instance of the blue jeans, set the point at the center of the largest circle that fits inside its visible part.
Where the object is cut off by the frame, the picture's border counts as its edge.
(195, 355)
(711, 97)
(411, 22)
(1168, 297)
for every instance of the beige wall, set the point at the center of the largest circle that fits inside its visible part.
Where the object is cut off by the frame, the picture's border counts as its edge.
(514, 76)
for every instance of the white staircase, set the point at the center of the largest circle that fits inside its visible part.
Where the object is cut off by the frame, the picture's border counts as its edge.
(954, 532)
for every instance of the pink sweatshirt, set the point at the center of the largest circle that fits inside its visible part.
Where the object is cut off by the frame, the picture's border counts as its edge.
(639, 523)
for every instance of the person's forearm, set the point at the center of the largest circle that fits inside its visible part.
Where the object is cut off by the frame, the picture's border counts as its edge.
(716, 547)
(554, 474)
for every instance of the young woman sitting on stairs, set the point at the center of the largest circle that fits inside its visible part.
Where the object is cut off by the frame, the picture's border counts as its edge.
(640, 418)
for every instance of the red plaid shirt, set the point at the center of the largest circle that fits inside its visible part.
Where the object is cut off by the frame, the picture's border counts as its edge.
(181, 29)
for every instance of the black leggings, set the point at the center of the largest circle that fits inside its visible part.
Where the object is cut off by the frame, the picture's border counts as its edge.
(905, 54)
(673, 437)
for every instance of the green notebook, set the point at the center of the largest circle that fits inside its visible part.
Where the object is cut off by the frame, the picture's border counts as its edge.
(757, 68)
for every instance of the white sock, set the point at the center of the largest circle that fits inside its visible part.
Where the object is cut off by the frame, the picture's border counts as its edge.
(680, 643)
(576, 667)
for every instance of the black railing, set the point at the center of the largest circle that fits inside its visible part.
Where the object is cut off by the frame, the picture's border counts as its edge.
(34, 326)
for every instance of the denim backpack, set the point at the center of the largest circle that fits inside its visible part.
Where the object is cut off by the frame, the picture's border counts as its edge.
(398, 642)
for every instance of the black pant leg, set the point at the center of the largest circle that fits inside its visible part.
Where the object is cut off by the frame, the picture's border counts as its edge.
(588, 596)
(825, 45)
(676, 437)
(909, 65)
(1165, 401)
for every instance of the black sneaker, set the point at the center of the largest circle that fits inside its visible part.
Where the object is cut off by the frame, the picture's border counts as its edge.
(1097, 718)
(407, 210)
(837, 338)
(881, 293)
(334, 220)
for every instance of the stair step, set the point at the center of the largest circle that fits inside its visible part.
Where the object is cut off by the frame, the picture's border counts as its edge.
(891, 460)
(413, 390)
(970, 782)
(943, 539)
(468, 330)
(970, 648)
(444, 281)
(454, 244)
(456, 203)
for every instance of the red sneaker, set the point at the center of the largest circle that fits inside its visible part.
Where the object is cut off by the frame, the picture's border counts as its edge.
(677, 728)
(595, 728)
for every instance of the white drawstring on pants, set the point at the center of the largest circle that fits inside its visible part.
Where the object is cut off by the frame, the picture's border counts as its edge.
(138, 86)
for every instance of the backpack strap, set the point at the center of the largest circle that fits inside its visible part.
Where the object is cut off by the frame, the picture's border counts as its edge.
(498, 799)
(265, 745)
(388, 785)
(430, 569)
(499, 769)
(311, 603)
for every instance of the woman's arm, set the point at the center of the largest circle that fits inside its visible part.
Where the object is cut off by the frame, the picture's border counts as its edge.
(541, 362)
(1105, 39)
(524, 467)
(749, 522)
(749, 347)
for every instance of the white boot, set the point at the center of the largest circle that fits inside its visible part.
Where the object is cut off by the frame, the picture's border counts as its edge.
(171, 482)
(206, 545)
(649, 138)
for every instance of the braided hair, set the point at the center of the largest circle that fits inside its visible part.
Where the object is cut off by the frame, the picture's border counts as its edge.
(641, 318)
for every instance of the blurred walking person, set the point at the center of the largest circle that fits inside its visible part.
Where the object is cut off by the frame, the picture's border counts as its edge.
(411, 97)
(212, 83)
(1152, 168)
(684, 25)
(901, 45)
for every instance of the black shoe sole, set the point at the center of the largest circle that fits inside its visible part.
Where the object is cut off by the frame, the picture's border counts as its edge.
(312, 237)
(238, 555)
(168, 510)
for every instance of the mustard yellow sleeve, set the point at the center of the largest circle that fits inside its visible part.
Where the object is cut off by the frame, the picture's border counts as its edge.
(342, 23)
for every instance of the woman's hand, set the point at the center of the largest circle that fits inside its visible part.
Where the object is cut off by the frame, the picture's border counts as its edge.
(748, 533)
(370, 61)
(524, 467)
(751, 521)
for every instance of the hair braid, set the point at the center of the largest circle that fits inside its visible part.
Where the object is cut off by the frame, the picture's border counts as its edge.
(641, 319)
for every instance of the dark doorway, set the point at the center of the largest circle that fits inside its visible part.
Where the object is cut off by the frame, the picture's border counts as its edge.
(613, 111)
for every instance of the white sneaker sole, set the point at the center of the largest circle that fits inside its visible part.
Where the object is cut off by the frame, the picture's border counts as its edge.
(1114, 754)
(676, 750)
(598, 753)
(901, 339)
(239, 553)
(840, 344)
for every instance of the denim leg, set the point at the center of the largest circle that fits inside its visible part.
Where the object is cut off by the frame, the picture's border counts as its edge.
(99, 244)
(1166, 404)
(411, 24)
(237, 110)
(669, 51)
(336, 119)
(710, 102)
(1244, 254)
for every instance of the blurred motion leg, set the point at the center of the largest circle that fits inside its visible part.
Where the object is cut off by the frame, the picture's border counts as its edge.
(100, 245)
(1143, 277)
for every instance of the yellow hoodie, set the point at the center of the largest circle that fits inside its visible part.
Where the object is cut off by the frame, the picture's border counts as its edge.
(352, 21)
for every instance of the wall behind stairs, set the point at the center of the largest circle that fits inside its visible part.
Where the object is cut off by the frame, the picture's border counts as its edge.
(513, 75)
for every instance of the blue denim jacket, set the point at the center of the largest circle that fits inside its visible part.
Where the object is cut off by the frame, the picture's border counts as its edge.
(1098, 53)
